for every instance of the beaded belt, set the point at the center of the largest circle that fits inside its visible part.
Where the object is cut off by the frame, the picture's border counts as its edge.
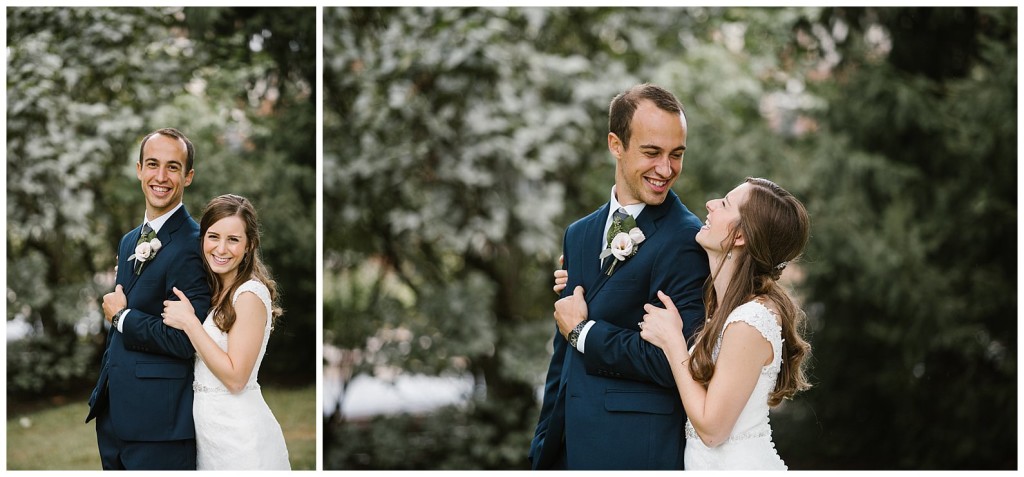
(202, 388)
(755, 433)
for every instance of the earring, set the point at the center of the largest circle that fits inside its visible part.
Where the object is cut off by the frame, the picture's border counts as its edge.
(728, 256)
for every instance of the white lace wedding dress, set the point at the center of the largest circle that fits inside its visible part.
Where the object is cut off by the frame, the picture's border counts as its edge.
(236, 431)
(750, 443)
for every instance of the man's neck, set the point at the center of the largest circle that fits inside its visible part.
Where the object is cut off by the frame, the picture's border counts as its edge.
(161, 218)
(618, 199)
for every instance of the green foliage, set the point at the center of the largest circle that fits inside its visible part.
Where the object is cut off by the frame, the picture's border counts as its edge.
(84, 86)
(459, 143)
(912, 277)
(451, 438)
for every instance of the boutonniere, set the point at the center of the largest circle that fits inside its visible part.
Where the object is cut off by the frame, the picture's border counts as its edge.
(145, 250)
(624, 241)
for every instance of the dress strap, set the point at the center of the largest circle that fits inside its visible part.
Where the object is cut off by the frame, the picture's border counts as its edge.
(257, 288)
(758, 316)
(761, 318)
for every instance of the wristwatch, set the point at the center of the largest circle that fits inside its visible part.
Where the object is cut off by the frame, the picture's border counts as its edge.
(574, 335)
(117, 317)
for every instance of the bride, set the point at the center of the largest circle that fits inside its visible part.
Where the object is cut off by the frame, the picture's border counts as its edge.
(749, 355)
(235, 428)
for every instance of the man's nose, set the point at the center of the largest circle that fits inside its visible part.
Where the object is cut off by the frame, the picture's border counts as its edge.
(664, 166)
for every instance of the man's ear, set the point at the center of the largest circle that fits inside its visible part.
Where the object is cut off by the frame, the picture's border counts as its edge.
(615, 145)
(188, 177)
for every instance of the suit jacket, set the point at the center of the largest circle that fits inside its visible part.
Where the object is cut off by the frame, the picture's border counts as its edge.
(146, 375)
(616, 406)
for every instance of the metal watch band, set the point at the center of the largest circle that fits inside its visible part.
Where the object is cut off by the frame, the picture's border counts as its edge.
(574, 335)
(117, 317)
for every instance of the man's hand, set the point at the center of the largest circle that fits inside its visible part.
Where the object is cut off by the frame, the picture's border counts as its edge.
(114, 302)
(570, 311)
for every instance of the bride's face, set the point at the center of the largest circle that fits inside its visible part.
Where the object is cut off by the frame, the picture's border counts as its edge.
(224, 246)
(723, 216)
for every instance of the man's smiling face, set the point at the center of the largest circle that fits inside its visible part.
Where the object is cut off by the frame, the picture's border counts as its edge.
(162, 174)
(647, 168)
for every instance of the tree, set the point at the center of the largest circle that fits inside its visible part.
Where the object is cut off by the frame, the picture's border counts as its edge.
(71, 101)
(459, 144)
(912, 282)
(84, 86)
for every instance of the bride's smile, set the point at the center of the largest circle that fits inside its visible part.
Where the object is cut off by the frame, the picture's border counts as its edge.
(224, 245)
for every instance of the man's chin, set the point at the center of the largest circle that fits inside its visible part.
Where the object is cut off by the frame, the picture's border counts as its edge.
(159, 207)
(654, 200)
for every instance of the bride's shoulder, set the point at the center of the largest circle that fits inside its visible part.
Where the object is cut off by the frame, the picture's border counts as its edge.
(255, 287)
(756, 312)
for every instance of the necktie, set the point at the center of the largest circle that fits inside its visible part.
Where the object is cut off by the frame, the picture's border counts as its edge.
(147, 234)
(617, 217)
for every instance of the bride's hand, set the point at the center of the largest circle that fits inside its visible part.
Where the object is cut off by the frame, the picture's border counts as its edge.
(663, 327)
(570, 311)
(179, 314)
(561, 277)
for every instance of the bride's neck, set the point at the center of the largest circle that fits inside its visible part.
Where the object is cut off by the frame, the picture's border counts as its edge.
(725, 268)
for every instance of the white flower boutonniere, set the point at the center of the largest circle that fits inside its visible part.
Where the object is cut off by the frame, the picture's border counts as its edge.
(145, 251)
(626, 238)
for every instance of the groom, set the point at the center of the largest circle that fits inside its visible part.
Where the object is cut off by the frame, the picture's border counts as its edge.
(610, 401)
(142, 402)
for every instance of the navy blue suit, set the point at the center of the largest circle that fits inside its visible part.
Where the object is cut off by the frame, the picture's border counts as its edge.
(144, 392)
(616, 405)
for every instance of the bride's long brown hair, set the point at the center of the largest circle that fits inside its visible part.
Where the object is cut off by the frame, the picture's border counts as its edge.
(775, 228)
(251, 265)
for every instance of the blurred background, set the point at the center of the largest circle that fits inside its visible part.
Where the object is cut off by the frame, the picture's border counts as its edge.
(84, 85)
(460, 143)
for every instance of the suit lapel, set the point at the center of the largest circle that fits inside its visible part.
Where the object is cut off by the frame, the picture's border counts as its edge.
(130, 280)
(649, 218)
(594, 276)
(592, 245)
(165, 236)
(647, 221)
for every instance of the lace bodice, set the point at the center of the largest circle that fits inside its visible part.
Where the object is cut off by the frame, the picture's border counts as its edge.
(205, 381)
(749, 445)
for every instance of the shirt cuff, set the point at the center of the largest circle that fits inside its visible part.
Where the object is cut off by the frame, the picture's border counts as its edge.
(120, 322)
(583, 335)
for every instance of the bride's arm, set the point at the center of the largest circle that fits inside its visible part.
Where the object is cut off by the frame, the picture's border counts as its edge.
(715, 410)
(245, 338)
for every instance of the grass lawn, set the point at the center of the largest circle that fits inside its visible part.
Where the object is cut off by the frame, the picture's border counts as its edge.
(57, 438)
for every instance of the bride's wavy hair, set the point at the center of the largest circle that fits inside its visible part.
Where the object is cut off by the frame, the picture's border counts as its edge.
(775, 228)
(251, 266)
